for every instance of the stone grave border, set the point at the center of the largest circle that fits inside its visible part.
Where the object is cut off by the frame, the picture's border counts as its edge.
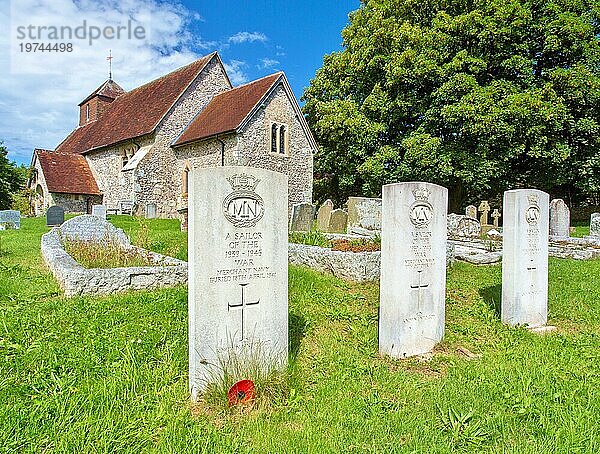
(76, 280)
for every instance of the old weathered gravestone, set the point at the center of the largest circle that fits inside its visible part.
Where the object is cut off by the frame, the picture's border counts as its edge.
(484, 208)
(461, 226)
(55, 216)
(338, 221)
(413, 268)
(238, 283)
(595, 224)
(496, 216)
(560, 218)
(525, 258)
(303, 215)
(151, 210)
(364, 214)
(471, 211)
(323, 215)
(10, 219)
(99, 211)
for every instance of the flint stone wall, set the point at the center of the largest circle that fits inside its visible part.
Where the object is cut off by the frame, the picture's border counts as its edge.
(354, 266)
(76, 280)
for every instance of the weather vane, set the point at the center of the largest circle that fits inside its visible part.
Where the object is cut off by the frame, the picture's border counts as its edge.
(109, 58)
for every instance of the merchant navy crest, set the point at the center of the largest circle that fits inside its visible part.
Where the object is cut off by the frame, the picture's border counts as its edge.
(243, 207)
(533, 210)
(421, 210)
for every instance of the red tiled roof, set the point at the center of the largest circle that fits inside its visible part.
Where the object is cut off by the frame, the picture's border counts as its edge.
(135, 113)
(227, 110)
(67, 173)
(109, 89)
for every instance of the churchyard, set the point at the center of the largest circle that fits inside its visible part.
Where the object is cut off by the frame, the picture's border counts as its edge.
(111, 372)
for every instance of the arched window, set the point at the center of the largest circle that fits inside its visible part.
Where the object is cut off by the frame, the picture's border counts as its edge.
(274, 138)
(185, 183)
(282, 138)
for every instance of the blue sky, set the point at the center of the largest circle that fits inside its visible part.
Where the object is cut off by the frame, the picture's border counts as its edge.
(40, 92)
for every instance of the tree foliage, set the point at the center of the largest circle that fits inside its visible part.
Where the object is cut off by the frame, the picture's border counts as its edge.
(12, 179)
(479, 96)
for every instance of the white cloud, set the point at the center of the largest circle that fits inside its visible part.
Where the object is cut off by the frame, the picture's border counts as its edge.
(247, 37)
(39, 96)
(235, 71)
(267, 63)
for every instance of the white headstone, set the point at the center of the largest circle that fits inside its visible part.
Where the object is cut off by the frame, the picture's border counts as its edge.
(560, 218)
(413, 268)
(238, 270)
(99, 211)
(151, 210)
(525, 258)
(364, 213)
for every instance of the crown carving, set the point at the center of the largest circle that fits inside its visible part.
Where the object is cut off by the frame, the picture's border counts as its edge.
(421, 194)
(243, 182)
(533, 200)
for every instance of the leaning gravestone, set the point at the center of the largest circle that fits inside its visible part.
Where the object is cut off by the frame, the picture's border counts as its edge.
(338, 221)
(560, 219)
(303, 215)
(595, 225)
(364, 214)
(324, 214)
(99, 211)
(413, 268)
(525, 258)
(10, 219)
(55, 216)
(238, 281)
(471, 211)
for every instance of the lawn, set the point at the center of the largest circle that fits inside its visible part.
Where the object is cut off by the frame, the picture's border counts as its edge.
(109, 374)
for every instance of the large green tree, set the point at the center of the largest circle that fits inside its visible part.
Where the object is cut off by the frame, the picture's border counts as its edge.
(479, 96)
(12, 179)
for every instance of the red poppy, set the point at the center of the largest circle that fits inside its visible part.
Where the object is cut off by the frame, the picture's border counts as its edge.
(241, 392)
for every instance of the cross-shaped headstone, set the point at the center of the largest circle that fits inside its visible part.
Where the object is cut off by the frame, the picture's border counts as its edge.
(484, 208)
(496, 215)
(242, 305)
(419, 287)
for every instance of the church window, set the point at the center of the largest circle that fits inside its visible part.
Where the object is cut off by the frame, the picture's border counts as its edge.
(282, 139)
(279, 136)
(185, 183)
(87, 112)
(274, 131)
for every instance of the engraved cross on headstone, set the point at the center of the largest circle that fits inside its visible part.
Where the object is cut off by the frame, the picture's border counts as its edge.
(242, 305)
(532, 270)
(496, 215)
(484, 208)
(419, 287)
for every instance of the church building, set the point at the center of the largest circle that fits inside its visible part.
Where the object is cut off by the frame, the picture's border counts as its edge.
(132, 151)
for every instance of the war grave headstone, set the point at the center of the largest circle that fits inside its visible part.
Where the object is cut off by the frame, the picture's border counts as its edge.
(324, 214)
(10, 219)
(99, 211)
(471, 211)
(413, 268)
(364, 215)
(150, 211)
(560, 219)
(238, 278)
(338, 220)
(496, 217)
(303, 215)
(55, 216)
(525, 258)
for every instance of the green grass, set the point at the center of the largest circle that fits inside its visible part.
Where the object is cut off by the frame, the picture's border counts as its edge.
(109, 374)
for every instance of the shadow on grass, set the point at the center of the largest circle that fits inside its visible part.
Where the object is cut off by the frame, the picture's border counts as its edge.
(297, 328)
(493, 297)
